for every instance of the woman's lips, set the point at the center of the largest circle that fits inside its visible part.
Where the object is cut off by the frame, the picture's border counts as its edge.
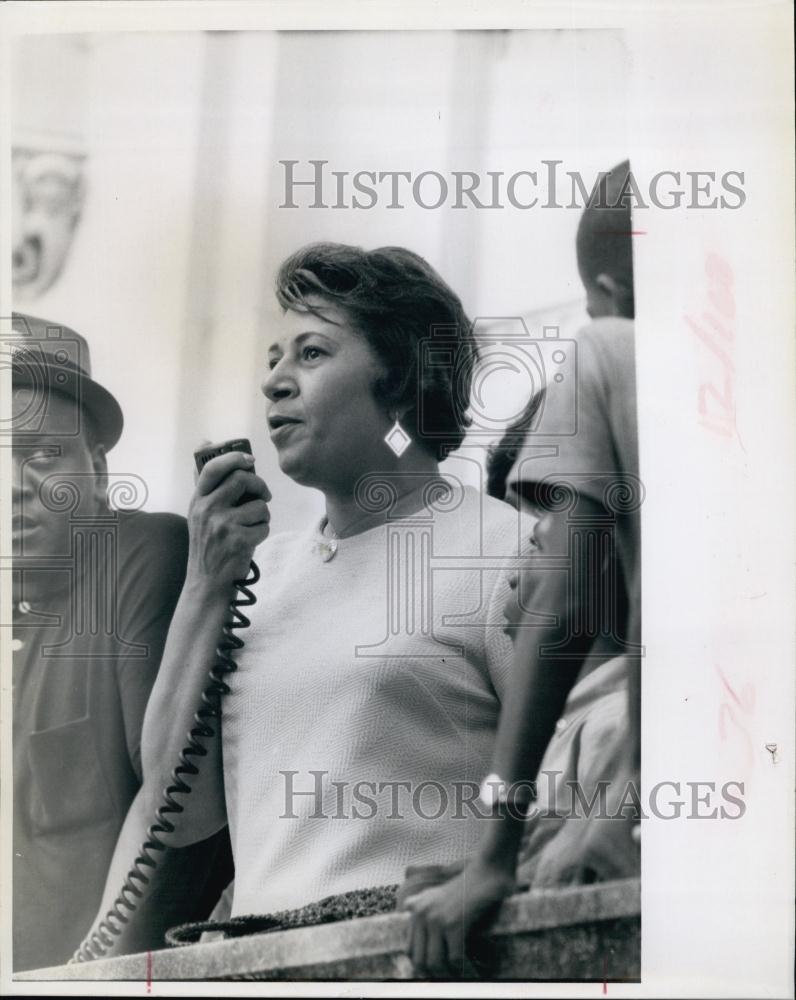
(281, 428)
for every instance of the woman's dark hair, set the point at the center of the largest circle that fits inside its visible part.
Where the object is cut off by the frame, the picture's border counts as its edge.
(400, 305)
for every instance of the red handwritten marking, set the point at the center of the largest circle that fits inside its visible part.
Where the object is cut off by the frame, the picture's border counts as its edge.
(149, 972)
(722, 429)
(748, 702)
(731, 708)
(709, 341)
(714, 330)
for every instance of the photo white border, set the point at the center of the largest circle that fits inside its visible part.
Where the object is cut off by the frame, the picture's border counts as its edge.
(692, 63)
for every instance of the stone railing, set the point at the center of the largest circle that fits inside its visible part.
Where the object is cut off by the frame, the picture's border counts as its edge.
(585, 933)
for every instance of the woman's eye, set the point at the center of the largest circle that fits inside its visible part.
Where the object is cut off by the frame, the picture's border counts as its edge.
(311, 353)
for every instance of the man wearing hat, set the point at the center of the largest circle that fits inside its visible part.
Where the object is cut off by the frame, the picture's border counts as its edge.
(94, 590)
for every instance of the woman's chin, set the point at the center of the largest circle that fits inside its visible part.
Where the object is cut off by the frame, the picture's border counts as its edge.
(289, 465)
(297, 469)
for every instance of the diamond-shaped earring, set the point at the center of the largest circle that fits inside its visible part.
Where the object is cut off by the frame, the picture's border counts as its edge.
(397, 439)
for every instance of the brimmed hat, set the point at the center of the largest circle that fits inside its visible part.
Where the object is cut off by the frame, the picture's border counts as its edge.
(49, 357)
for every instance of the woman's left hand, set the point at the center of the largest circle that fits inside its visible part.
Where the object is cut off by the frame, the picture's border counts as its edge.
(443, 916)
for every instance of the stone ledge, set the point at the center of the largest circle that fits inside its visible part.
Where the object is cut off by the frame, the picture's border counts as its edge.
(583, 933)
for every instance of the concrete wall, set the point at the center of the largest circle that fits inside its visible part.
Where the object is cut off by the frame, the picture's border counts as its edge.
(584, 933)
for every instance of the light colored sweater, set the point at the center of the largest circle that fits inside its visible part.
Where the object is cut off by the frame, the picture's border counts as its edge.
(362, 678)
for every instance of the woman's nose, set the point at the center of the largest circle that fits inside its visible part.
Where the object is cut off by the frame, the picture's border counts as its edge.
(278, 385)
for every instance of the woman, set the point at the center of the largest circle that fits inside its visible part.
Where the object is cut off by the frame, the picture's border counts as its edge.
(362, 715)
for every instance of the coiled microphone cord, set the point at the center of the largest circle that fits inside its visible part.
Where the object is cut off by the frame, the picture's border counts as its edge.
(112, 925)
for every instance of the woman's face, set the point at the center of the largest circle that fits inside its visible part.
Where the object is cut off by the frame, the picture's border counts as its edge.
(323, 419)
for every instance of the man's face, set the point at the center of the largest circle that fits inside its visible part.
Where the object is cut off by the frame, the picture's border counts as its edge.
(57, 475)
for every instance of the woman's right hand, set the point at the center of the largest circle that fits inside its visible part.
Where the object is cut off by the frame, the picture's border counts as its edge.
(223, 532)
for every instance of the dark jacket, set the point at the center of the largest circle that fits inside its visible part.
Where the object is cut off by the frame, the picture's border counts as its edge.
(85, 659)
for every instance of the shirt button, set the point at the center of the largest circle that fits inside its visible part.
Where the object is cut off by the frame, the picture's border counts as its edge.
(24, 607)
(561, 725)
(16, 645)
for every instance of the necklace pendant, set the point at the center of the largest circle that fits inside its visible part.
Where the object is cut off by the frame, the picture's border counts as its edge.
(327, 548)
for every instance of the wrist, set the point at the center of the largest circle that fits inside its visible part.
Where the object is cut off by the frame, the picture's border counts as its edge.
(501, 799)
(204, 593)
(500, 846)
(507, 806)
(496, 864)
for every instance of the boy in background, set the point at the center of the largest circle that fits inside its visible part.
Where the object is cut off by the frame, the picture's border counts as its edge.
(572, 711)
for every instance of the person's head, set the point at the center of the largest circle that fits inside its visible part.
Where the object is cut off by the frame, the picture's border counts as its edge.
(604, 247)
(349, 360)
(57, 477)
(63, 423)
